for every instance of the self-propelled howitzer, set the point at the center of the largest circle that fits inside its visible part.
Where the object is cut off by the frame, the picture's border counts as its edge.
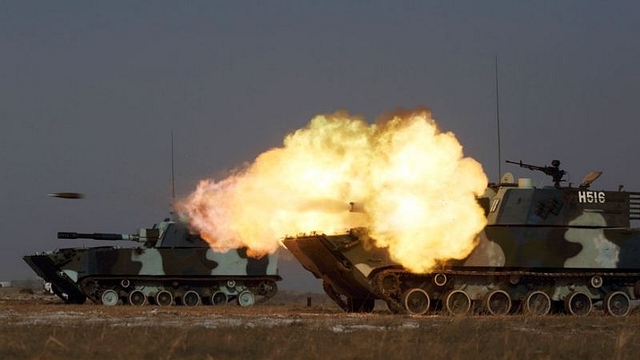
(172, 266)
(543, 249)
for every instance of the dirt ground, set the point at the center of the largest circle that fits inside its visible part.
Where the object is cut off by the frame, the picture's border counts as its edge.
(36, 326)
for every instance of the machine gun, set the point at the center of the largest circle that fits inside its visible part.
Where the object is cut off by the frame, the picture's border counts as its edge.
(553, 170)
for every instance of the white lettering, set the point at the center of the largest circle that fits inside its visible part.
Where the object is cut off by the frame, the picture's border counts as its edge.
(581, 196)
(494, 204)
(591, 197)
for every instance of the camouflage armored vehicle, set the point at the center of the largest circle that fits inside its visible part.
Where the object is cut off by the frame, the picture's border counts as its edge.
(171, 267)
(556, 248)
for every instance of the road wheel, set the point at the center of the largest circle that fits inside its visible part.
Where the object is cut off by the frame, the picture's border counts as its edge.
(578, 303)
(137, 298)
(537, 303)
(416, 301)
(497, 302)
(164, 298)
(617, 304)
(457, 302)
(246, 298)
(110, 297)
(219, 298)
(191, 298)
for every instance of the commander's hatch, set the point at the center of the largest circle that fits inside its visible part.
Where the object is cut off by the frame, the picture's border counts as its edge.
(507, 179)
(589, 178)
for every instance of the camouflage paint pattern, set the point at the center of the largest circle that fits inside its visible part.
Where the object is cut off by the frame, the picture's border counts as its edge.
(171, 260)
(542, 249)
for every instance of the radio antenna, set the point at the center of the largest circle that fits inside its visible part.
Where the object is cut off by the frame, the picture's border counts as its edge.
(173, 181)
(498, 122)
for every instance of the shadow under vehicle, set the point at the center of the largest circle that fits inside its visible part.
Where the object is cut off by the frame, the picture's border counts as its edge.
(549, 249)
(171, 267)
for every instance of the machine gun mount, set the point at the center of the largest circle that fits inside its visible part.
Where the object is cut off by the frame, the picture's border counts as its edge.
(554, 170)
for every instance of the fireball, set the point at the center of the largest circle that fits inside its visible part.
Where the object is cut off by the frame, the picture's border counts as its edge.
(412, 181)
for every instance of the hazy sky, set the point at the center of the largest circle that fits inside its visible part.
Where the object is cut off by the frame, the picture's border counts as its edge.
(91, 91)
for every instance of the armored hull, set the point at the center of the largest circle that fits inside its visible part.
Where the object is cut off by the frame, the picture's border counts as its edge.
(542, 250)
(172, 267)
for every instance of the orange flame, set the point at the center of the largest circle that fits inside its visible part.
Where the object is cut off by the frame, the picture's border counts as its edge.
(415, 186)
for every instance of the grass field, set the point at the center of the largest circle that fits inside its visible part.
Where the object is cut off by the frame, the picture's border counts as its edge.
(42, 327)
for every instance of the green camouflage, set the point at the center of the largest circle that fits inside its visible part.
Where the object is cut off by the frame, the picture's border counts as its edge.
(172, 267)
(543, 249)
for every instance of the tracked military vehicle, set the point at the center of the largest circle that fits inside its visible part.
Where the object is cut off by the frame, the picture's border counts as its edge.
(546, 249)
(171, 267)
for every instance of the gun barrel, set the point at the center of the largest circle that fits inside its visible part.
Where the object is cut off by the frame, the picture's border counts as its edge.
(527, 166)
(94, 236)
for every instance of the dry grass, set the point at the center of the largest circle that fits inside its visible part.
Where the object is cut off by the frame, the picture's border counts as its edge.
(32, 327)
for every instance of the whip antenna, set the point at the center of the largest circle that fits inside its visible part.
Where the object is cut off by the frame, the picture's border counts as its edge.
(173, 182)
(498, 123)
